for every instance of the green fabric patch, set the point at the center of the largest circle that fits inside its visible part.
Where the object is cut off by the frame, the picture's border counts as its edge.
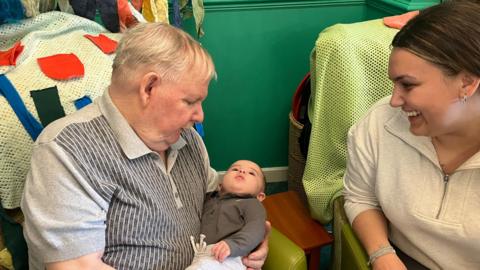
(48, 105)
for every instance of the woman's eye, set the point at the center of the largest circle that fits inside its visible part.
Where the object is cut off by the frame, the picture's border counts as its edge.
(407, 85)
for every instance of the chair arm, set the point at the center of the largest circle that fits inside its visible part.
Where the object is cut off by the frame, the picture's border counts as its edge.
(284, 254)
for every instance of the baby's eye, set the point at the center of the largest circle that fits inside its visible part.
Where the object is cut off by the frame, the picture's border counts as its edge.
(252, 173)
(234, 169)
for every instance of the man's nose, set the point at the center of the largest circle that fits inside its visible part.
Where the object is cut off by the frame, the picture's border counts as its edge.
(198, 114)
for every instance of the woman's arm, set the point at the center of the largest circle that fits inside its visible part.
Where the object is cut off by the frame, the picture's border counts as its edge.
(361, 202)
(371, 228)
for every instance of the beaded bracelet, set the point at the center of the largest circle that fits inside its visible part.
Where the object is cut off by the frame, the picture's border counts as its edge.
(380, 252)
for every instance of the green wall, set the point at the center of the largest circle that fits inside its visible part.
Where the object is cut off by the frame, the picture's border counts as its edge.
(261, 50)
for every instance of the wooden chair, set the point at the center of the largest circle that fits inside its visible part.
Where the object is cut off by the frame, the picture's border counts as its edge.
(289, 216)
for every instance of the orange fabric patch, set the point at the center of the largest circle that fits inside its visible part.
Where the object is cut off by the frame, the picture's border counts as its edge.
(9, 57)
(103, 42)
(399, 21)
(61, 66)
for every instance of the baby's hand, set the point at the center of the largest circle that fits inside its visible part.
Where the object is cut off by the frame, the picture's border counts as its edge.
(221, 250)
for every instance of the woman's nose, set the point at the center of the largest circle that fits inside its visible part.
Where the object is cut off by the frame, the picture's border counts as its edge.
(397, 99)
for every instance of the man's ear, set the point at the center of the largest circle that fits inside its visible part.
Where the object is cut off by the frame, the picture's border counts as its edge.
(148, 83)
(261, 196)
(470, 84)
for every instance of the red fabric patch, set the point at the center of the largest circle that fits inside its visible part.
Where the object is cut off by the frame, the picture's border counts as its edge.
(61, 66)
(103, 42)
(399, 21)
(9, 57)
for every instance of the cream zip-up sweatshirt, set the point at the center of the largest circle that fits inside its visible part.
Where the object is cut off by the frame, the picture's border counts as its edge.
(433, 218)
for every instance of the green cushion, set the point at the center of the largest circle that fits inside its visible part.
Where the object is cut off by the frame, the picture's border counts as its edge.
(284, 254)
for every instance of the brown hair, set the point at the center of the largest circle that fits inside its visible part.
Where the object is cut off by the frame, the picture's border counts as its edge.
(447, 35)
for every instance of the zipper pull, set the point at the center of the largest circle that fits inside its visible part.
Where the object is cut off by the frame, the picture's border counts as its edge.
(446, 177)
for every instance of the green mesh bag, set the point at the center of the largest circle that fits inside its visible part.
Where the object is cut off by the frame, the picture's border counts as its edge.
(349, 73)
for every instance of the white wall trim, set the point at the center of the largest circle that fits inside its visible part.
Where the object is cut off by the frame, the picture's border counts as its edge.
(273, 174)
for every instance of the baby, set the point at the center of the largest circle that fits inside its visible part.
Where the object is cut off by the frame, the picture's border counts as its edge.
(233, 221)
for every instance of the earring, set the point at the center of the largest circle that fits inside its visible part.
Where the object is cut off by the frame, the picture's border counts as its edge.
(464, 99)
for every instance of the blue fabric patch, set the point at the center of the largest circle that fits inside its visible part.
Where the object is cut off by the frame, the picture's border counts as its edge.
(199, 128)
(29, 122)
(82, 102)
(11, 11)
(177, 18)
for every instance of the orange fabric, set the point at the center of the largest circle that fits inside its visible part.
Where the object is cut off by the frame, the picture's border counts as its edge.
(399, 21)
(125, 15)
(137, 4)
(61, 66)
(9, 57)
(103, 42)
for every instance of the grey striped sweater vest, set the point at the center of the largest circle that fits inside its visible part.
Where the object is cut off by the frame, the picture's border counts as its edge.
(145, 228)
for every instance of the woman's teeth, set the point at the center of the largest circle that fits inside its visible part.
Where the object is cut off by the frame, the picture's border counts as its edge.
(412, 113)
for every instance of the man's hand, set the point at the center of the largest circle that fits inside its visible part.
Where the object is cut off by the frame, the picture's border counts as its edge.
(221, 251)
(256, 259)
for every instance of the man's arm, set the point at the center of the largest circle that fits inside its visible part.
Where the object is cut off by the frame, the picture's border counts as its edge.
(87, 262)
(256, 259)
(64, 216)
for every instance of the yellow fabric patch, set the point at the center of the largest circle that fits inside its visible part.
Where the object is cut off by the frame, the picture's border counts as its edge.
(6, 259)
(155, 10)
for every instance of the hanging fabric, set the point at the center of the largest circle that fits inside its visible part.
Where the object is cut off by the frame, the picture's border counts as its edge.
(108, 11)
(155, 10)
(11, 11)
(198, 15)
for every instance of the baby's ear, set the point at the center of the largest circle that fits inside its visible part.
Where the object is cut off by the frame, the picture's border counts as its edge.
(261, 196)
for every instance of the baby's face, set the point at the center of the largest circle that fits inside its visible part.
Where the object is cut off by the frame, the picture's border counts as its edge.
(243, 177)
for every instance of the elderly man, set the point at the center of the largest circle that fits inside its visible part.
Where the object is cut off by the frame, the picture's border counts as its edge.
(121, 183)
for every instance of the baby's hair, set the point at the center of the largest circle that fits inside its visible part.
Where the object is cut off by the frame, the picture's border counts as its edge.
(264, 180)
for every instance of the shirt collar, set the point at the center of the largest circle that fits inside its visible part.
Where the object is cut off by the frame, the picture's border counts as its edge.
(399, 126)
(129, 142)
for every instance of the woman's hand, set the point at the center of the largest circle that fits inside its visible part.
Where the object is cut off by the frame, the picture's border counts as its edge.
(256, 259)
(388, 262)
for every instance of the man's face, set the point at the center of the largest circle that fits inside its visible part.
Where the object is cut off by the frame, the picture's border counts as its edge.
(173, 106)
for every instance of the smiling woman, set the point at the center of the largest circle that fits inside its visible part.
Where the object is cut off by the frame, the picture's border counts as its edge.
(421, 212)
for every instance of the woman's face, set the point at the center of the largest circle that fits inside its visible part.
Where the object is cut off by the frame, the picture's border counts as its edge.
(429, 98)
